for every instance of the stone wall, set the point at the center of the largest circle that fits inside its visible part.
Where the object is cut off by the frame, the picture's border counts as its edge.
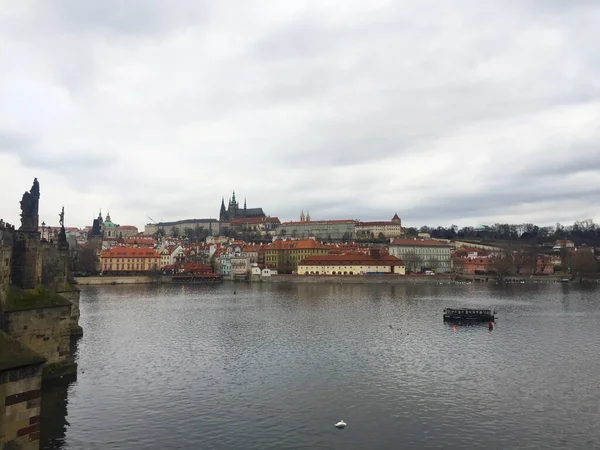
(6, 246)
(44, 330)
(73, 297)
(113, 280)
(54, 267)
(26, 260)
(20, 400)
(359, 279)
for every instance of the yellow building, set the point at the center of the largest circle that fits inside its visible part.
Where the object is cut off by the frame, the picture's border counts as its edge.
(284, 256)
(352, 264)
(129, 260)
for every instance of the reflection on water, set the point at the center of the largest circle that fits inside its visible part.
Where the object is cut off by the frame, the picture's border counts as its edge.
(54, 414)
(275, 366)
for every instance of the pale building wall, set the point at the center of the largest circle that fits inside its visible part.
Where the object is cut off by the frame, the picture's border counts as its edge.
(302, 230)
(349, 269)
(388, 230)
(436, 257)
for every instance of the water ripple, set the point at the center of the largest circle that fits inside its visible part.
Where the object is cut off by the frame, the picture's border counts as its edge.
(275, 366)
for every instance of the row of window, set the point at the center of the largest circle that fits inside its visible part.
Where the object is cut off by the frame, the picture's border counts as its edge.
(129, 260)
(125, 267)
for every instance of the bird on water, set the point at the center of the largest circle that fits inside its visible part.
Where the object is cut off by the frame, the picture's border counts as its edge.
(340, 424)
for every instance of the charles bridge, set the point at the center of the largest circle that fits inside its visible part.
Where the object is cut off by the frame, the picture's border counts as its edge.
(39, 315)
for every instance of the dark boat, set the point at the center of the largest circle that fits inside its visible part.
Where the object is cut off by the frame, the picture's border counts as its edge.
(467, 314)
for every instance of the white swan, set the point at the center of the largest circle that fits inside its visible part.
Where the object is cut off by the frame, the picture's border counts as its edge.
(340, 424)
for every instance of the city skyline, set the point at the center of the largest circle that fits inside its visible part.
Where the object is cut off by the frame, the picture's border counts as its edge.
(442, 112)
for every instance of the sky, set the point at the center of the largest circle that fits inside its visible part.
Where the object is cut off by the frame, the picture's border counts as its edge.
(445, 112)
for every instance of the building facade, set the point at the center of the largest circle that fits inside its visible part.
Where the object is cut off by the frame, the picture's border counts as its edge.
(319, 229)
(179, 227)
(351, 264)
(422, 254)
(389, 229)
(284, 256)
(259, 226)
(129, 260)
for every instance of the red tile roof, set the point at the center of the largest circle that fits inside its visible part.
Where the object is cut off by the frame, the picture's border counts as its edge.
(128, 227)
(370, 224)
(296, 244)
(350, 259)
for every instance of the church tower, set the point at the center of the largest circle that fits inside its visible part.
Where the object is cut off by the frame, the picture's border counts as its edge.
(223, 212)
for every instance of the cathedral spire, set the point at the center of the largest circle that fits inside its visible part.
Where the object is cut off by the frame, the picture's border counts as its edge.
(233, 198)
(223, 211)
(244, 202)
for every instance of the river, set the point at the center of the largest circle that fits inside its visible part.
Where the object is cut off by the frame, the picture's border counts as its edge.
(276, 366)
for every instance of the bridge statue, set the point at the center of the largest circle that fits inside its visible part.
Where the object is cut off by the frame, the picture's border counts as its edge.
(29, 208)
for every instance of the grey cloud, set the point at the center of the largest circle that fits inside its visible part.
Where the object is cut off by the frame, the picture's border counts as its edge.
(11, 142)
(133, 18)
(181, 101)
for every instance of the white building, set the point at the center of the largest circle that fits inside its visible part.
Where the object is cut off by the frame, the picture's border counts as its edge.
(392, 228)
(422, 254)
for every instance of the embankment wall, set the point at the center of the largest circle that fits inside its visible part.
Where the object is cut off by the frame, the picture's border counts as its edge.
(46, 330)
(358, 279)
(84, 281)
(20, 401)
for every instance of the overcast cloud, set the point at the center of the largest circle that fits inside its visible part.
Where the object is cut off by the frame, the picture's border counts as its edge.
(446, 112)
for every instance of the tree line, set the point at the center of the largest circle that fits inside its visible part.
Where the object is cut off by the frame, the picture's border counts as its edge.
(580, 232)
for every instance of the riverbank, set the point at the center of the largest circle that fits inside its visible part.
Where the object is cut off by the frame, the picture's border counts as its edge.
(88, 281)
(406, 279)
(360, 279)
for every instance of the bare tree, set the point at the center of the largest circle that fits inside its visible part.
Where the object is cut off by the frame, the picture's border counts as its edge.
(412, 261)
(583, 263)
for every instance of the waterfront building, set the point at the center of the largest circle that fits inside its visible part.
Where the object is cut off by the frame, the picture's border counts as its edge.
(385, 229)
(171, 254)
(129, 260)
(319, 229)
(284, 255)
(240, 267)
(422, 254)
(374, 263)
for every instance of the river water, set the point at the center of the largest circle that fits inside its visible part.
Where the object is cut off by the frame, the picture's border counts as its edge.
(276, 366)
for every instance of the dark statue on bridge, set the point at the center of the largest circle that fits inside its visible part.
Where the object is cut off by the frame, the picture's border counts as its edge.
(62, 235)
(29, 208)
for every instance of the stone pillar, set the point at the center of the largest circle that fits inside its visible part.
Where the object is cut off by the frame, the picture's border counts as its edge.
(6, 246)
(26, 260)
(20, 396)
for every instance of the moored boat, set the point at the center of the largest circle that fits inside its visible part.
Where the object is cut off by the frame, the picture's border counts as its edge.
(469, 314)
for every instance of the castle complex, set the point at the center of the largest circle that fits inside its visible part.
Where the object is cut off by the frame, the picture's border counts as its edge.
(234, 211)
(39, 312)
